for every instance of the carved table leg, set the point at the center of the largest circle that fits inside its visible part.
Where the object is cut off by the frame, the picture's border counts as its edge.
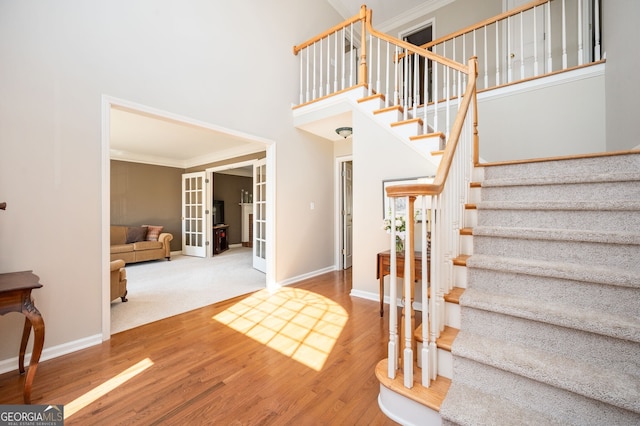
(32, 319)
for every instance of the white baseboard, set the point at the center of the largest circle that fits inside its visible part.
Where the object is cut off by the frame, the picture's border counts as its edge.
(11, 364)
(294, 280)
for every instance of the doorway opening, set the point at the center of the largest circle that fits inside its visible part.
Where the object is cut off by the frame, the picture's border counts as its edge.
(241, 144)
(344, 212)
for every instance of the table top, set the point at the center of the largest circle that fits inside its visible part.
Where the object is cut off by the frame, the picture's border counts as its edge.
(19, 281)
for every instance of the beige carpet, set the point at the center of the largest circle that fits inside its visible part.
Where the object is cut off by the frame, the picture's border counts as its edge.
(160, 289)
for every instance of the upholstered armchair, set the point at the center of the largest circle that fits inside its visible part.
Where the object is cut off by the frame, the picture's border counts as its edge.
(118, 280)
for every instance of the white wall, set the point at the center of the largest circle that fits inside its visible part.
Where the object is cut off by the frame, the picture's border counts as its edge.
(224, 63)
(561, 115)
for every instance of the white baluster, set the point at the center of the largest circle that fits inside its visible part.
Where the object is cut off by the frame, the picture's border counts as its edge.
(321, 85)
(447, 100)
(548, 37)
(424, 353)
(396, 88)
(522, 76)
(388, 61)
(564, 36)
(454, 58)
(535, 42)
(509, 61)
(378, 70)
(425, 127)
(596, 50)
(497, 56)
(308, 93)
(351, 56)
(313, 89)
(335, 61)
(342, 60)
(393, 297)
(370, 68)
(416, 84)
(435, 94)
(405, 85)
(301, 78)
(328, 89)
(407, 355)
(486, 60)
(580, 47)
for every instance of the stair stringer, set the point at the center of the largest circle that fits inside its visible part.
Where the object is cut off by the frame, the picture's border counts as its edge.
(400, 129)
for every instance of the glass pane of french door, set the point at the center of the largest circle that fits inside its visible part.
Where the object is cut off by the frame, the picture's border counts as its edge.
(193, 214)
(259, 215)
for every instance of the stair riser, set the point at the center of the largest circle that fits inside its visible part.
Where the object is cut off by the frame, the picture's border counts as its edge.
(601, 351)
(407, 130)
(445, 361)
(585, 166)
(621, 256)
(545, 290)
(568, 192)
(623, 221)
(565, 407)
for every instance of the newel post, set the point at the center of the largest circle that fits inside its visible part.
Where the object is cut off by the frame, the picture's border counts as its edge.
(362, 69)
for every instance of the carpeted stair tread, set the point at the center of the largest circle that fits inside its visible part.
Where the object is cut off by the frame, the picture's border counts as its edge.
(465, 405)
(601, 352)
(578, 272)
(565, 315)
(560, 234)
(609, 386)
(609, 205)
(562, 179)
(487, 385)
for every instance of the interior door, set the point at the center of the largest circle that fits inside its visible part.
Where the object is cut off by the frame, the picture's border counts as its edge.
(259, 215)
(347, 214)
(194, 214)
(526, 42)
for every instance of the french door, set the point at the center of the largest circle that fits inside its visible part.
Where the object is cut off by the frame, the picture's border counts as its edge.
(194, 204)
(260, 215)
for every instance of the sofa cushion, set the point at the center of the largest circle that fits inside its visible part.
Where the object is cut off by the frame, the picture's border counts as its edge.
(153, 232)
(147, 245)
(121, 248)
(118, 234)
(136, 233)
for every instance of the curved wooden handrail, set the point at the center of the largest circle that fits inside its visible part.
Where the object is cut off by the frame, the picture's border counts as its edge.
(355, 18)
(488, 21)
(435, 188)
(412, 48)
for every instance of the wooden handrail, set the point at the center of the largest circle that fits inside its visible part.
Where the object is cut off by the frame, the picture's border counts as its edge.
(412, 48)
(440, 179)
(355, 18)
(487, 21)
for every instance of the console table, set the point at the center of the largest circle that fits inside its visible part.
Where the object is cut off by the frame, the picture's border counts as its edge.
(15, 296)
(384, 266)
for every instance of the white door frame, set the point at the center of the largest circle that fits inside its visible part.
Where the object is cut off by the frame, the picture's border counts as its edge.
(210, 171)
(337, 191)
(109, 102)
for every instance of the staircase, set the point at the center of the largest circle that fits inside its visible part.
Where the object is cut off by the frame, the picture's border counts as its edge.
(550, 318)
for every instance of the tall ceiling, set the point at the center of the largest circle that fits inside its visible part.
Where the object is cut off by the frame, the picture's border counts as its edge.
(154, 139)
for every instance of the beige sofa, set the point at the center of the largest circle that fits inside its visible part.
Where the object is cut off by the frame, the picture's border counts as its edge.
(138, 243)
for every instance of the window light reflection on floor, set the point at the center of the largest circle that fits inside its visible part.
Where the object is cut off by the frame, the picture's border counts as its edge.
(297, 323)
(79, 403)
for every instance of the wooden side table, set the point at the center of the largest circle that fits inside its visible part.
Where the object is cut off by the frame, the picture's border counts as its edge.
(384, 266)
(15, 296)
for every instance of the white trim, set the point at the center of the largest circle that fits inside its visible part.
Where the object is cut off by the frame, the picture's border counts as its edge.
(53, 352)
(544, 82)
(294, 280)
(406, 411)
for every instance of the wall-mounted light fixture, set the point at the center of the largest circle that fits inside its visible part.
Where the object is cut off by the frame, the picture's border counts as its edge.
(345, 132)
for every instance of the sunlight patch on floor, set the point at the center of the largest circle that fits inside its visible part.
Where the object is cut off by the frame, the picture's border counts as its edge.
(91, 396)
(295, 322)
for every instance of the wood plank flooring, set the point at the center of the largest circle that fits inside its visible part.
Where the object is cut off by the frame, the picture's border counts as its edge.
(194, 369)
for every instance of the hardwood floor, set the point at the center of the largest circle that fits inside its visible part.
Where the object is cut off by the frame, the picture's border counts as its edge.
(193, 368)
